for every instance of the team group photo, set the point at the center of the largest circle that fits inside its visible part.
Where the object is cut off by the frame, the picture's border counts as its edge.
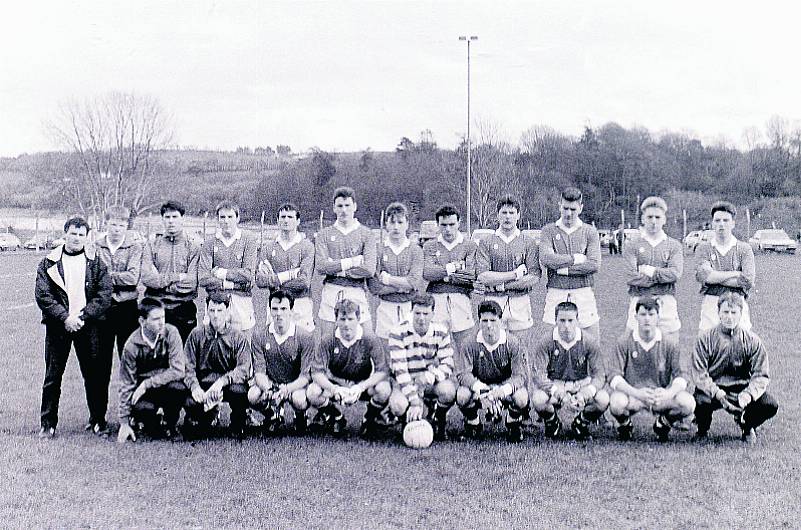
(590, 323)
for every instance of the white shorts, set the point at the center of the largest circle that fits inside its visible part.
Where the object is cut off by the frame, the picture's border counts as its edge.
(517, 313)
(333, 293)
(668, 313)
(389, 315)
(303, 311)
(454, 310)
(583, 297)
(710, 318)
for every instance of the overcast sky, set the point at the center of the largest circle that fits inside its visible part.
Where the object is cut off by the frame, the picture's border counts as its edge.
(345, 76)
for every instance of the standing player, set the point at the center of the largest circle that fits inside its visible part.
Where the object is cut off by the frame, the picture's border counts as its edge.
(288, 263)
(421, 358)
(491, 370)
(449, 263)
(654, 263)
(726, 265)
(399, 272)
(570, 250)
(73, 290)
(731, 366)
(350, 365)
(569, 371)
(218, 364)
(507, 264)
(645, 374)
(345, 256)
(282, 354)
(169, 270)
(227, 264)
(152, 370)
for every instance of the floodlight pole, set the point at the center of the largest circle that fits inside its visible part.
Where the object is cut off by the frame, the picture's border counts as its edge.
(468, 40)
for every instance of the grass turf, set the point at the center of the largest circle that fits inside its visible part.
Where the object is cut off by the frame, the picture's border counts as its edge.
(81, 481)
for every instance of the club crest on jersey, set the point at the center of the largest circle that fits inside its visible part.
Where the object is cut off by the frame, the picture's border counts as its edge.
(216, 249)
(273, 252)
(333, 238)
(558, 237)
(665, 255)
(642, 250)
(336, 350)
(495, 246)
(438, 253)
(267, 346)
(556, 352)
(712, 257)
(386, 258)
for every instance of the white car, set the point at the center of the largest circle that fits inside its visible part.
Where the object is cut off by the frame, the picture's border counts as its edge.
(773, 240)
(9, 241)
(696, 237)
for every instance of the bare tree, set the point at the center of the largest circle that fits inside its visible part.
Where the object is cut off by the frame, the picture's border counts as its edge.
(114, 138)
(492, 172)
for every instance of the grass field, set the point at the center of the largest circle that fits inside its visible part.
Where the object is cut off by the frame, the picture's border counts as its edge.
(289, 482)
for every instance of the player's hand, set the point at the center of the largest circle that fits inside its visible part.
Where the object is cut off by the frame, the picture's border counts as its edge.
(496, 394)
(228, 285)
(459, 265)
(414, 413)
(182, 277)
(662, 398)
(744, 399)
(727, 405)
(575, 402)
(558, 393)
(706, 266)
(263, 382)
(138, 393)
(126, 433)
(280, 395)
(220, 273)
(72, 323)
(358, 261)
(495, 408)
(520, 271)
(647, 396)
(199, 395)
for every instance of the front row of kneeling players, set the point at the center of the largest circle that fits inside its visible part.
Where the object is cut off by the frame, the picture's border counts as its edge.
(489, 372)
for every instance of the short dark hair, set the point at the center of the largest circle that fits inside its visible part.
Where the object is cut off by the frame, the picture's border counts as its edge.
(423, 299)
(347, 306)
(648, 303)
(289, 207)
(77, 222)
(172, 206)
(490, 306)
(280, 294)
(565, 306)
(508, 200)
(396, 208)
(219, 297)
(724, 206)
(345, 192)
(227, 205)
(572, 194)
(732, 298)
(117, 212)
(446, 210)
(148, 304)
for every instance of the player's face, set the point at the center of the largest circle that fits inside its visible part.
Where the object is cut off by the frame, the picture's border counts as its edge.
(344, 208)
(421, 318)
(490, 326)
(116, 229)
(348, 324)
(288, 220)
(567, 324)
(397, 226)
(154, 323)
(508, 216)
(449, 227)
(173, 222)
(227, 220)
(570, 211)
(75, 238)
(281, 313)
(729, 315)
(653, 219)
(722, 224)
(647, 321)
(218, 314)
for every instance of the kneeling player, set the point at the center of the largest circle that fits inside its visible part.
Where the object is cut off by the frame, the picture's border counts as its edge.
(282, 354)
(151, 375)
(350, 365)
(645, 374)
(731, 364)
(421, 358)
(569, 371)
(491, 370)
(218, 363)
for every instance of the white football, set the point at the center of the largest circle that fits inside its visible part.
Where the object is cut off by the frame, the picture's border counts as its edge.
(418, 434)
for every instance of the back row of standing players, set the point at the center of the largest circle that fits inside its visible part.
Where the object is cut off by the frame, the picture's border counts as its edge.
(417, 329)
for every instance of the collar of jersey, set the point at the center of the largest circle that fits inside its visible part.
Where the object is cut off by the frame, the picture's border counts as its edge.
(647, 345)
(286, 245)
(345, 231)
(566, 345)
(349, 343)
(653, 241)
(507, 240)
(230, 241)
(570, 230)
(397, 250)
(456, 242)
(280, 339)
(723, 249)
(502, 338)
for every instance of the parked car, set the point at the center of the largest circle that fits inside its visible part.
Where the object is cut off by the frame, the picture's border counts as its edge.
(773, 240)
(10, 242)
(41, 241)
(534, 234)
(696, 237)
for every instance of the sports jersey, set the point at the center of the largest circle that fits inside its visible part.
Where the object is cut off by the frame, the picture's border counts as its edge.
(663, 253)
(284, 361)
(554, 360)
(497, 253)
(739, 256)
(354, 360)
(211, 354)
(334, 244)
(237, 256)
(163, 261)
(496, 364)
(730, 358)
(411, 355)
(292, 261)
(559, 244)
(652, 365)
(438, 253)
(405, 261)
(123, 266)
